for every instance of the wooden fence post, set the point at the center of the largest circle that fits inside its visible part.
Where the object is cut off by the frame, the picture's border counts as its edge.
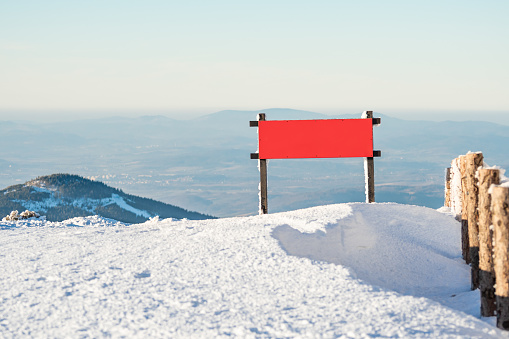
(369, 169)
(487, 177)
(456, 192)
(464, 222)
(264, 203)
(500, 217)
(447, 202)
(473, 162)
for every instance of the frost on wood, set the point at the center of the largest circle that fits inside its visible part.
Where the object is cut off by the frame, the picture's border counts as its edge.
(264, 179)
(465, 244)
(366, 179)
(500, 217)
(487, 178)
(262, 168)
(369, 169)
(447, 197)
(473, 162)
(455, 198)
(260, 211)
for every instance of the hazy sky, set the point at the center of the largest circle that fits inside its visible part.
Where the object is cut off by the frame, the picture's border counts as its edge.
(196, 57)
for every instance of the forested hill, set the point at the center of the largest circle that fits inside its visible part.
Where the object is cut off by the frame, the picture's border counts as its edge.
(64, 196)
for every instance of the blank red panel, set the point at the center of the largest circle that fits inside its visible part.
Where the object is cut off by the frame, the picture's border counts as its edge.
(334, 138)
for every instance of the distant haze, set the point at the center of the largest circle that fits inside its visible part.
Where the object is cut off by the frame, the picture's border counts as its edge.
(194, 57)
(499, 117)
(203, 164)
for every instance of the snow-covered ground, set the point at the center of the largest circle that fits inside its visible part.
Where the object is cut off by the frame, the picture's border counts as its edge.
(86, 204)
(348, 270)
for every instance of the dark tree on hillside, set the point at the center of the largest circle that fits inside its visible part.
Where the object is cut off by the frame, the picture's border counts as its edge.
(65, 189)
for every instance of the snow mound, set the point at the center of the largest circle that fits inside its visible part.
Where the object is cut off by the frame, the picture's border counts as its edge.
(91, 221)
(348, 270)
(408, 249)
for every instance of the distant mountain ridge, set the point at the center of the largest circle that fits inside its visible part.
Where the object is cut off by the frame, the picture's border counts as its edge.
(203, 164)
(63, 196)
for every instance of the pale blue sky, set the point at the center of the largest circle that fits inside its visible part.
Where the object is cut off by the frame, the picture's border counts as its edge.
(184, 58)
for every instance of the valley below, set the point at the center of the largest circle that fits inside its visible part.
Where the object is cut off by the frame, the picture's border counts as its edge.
(204, 164)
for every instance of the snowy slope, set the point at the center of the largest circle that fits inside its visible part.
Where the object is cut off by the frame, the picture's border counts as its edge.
(61, 196)
(351, 270)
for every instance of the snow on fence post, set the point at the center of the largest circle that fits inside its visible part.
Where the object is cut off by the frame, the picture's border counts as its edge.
(447, 202)
(456, 192)
(473, 162)
(487, 177)
(369, 168)
(464, 222)
(500, 216)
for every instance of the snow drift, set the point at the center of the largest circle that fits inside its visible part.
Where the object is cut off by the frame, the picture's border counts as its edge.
(351, 270)
(392, 246)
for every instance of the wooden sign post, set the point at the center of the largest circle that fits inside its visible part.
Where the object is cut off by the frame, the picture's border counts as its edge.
(328, 138)
(262, 164)
(369, 168)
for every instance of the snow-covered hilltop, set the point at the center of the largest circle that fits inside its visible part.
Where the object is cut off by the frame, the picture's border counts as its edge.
(62, 196)
(348, 270)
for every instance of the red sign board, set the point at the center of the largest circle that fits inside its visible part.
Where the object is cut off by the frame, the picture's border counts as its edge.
(331, 138)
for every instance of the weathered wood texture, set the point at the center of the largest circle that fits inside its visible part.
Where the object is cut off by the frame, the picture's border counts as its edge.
(464, 223)
(473, 162)
(262, 163)
(500, 218)
(369, 169)
(369, 172)
(486, 177)
(447, 202)
(264, 203)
